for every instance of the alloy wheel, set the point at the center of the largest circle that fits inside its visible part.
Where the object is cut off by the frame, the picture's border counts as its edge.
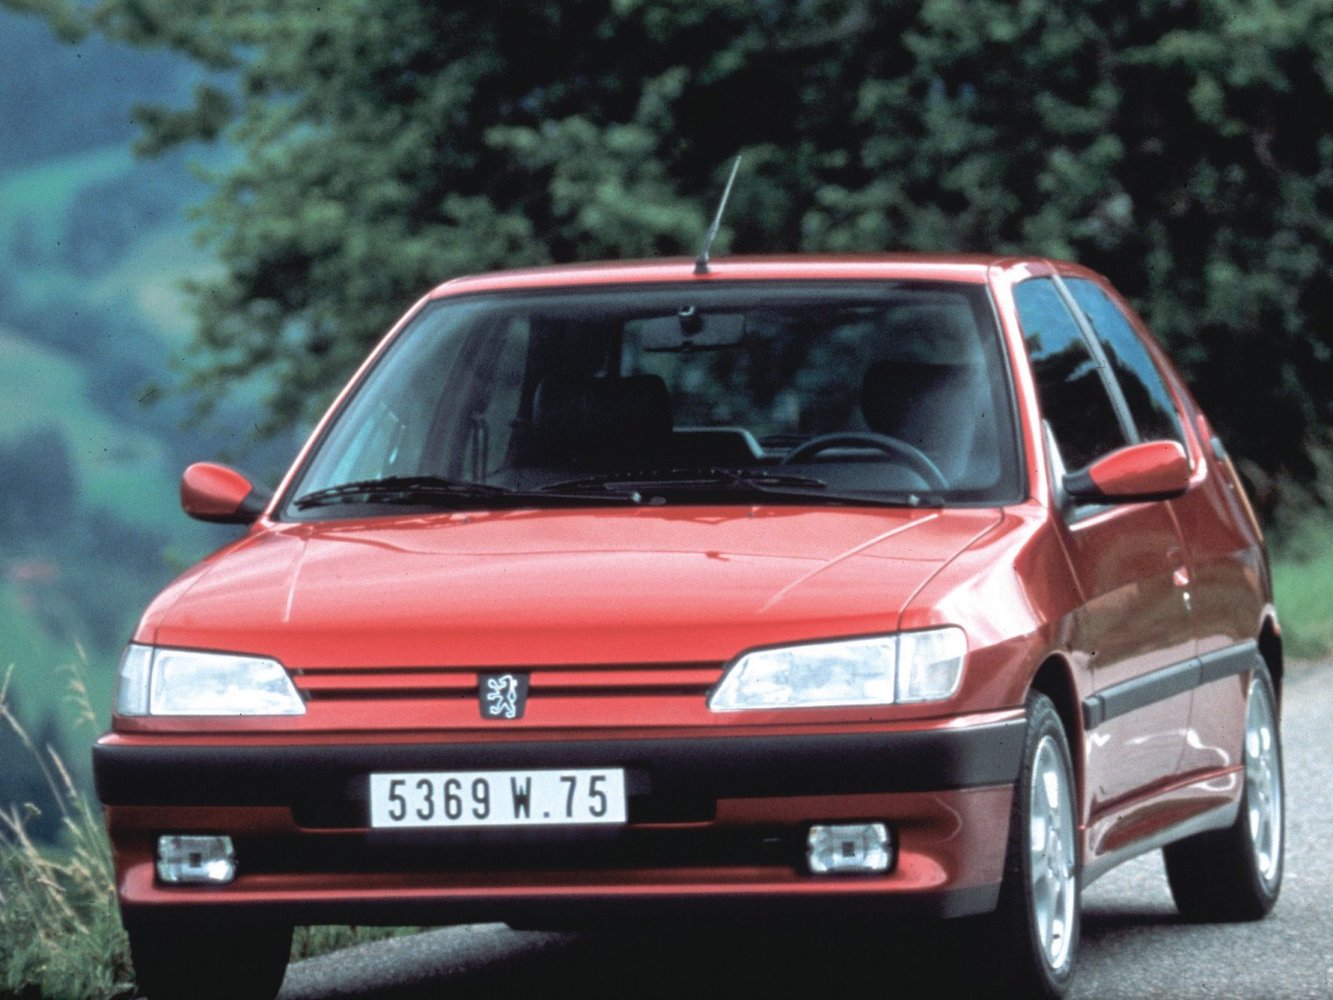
(1052, 849)
(1263, 784)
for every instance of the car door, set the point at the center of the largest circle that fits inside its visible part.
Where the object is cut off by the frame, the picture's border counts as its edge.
(1222, 543)
(1133, 630)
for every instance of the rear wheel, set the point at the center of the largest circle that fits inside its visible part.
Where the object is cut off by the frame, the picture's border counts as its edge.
(206, 961)
(1030, 940)
(1236, 873)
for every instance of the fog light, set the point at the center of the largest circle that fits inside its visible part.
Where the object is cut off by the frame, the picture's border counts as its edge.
(193, 860)
(849, 847)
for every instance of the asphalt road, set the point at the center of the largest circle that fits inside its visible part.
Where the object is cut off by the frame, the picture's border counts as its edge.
(1134, 945)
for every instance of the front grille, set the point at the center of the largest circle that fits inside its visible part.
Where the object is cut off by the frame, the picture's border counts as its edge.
(574, 681)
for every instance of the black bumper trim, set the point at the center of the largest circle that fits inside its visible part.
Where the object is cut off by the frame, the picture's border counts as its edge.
(166, 773)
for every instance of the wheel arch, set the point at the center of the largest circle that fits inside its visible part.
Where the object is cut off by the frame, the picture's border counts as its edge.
(1270, 648)
(1055, 679)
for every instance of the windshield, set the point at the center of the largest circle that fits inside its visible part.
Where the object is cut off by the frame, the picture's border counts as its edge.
(814, 392)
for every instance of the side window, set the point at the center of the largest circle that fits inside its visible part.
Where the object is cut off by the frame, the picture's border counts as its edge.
(1073, 397)
(1149, 402)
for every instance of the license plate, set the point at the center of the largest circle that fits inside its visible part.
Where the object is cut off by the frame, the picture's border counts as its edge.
(497, 798)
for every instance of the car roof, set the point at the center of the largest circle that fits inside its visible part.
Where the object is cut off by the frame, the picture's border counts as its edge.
(967, 268)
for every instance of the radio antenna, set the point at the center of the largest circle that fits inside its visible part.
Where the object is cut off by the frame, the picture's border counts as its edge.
(701, 262)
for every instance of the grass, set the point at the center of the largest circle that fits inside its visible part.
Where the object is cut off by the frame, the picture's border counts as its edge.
(60, 932)
(1303, 590)
(310, 941)
(40, 688)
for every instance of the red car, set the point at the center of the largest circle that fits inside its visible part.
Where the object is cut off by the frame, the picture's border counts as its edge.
(881, 586)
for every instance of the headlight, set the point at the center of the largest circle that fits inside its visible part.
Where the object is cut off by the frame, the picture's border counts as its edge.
(908, 667)
(154, 681)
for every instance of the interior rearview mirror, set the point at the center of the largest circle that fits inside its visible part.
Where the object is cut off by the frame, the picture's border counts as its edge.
(691, 330)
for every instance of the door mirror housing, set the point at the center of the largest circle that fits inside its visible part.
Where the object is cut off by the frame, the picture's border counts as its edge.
(218, 494)
(1152, 470)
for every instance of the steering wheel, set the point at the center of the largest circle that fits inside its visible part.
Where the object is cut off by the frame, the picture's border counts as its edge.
(913, 456)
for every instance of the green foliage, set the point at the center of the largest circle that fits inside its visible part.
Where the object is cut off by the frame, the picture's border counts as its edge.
(40, 460)
(383, 146)
(93, 245)
(27, 785)
(61, 552)
(60, 932)
(38, 692)
(33, 201)
(308, 942)
(1302, 583)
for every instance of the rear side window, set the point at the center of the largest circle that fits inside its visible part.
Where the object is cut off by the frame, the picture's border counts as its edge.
(1074, 399)
(1149, 402)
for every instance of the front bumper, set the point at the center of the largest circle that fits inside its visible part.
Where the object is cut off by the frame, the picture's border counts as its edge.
(713, 822)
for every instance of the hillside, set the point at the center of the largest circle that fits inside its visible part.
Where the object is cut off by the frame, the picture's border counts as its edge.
(94, 246)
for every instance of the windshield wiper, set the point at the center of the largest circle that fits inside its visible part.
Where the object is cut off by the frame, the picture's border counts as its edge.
(710, 478)
(614, 487)
(713, 479)
(437, 490)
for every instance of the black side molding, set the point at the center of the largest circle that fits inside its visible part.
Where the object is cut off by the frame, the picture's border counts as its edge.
(1120, 699)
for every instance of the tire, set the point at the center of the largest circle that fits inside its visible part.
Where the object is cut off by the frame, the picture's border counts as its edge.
(207, 961)
(1030, 941)
(1236, 874)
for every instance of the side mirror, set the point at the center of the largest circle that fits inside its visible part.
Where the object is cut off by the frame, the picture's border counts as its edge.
(1153, 470)
(211, 492)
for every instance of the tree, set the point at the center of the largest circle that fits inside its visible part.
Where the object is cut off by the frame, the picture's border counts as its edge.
(384, 146)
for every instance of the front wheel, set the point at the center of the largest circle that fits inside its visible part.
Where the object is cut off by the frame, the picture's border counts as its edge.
(208, 961)
(1236, 873)
(1030, 940)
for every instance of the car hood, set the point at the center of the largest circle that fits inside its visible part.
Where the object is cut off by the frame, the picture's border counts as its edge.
(571, 586)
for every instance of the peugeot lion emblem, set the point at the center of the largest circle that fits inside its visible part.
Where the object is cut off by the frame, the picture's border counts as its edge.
(503, 696)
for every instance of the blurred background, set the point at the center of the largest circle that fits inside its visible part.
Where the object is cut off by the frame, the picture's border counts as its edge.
(209, 211)
(94, 246)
